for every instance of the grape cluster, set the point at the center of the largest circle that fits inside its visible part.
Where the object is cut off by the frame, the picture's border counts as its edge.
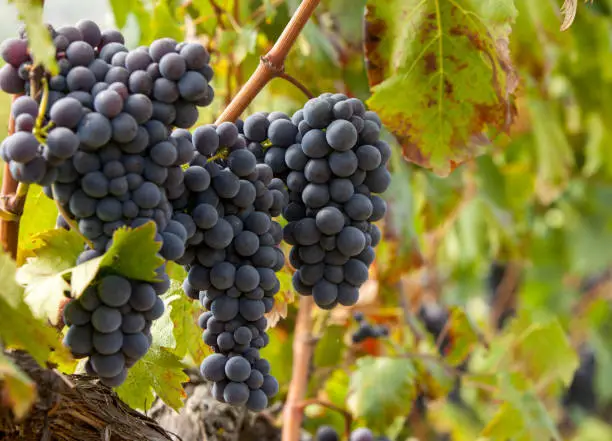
(111, 324)
(232, 258)
(582, 391)
(331, 158)
(366, 330)
(328, 433)
(103, 94)
(100, 141)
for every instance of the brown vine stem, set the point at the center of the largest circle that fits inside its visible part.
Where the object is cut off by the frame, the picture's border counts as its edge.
(9, 229)
(271, 64)
(303, 345)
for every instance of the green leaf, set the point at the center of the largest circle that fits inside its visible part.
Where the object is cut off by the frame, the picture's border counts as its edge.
(164, 24)
(42, 275)
(122, 9)
(184, 314)
(522, 417)
(463, 336)
(19, 327)
(39, 40)
(491, 181)
(279, 353)
(545, 354)
(440, 74)
(382, 389)
(434, 380)
(39, 214)
(159, 373)
(133, 254)
(337, 387)
(176, 272)
(245, 44)
(20, 389)
(554, 153)
(330, 348)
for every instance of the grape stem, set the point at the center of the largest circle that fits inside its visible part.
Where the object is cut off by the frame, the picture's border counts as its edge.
(271, 65)
(72, 224)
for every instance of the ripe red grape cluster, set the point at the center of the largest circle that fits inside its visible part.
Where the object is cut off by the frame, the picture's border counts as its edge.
(99, 138)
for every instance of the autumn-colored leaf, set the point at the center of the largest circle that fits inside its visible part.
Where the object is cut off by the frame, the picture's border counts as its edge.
(441, 75)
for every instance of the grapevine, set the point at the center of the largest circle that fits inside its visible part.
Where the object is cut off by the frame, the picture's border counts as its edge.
(281, 258)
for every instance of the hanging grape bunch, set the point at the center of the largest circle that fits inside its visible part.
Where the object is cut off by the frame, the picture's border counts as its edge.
(232, 256)
(250, 172)
(98, 137)
(334, 165)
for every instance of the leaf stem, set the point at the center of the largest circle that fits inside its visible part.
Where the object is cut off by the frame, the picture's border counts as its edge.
(44, 102)
(271, 64)
(285, 76)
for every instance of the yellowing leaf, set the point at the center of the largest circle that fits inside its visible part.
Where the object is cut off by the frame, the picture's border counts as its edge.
(20, 389)
(45, 286)
(382, 389)
(39, 214)
(20, 329)
(282, 300)
(463, 336)
(183, 315)
(434, 380)
(545, 353)
(159, 373)
(522, 418)
(441, 75)
(569, 9)
(39, 40)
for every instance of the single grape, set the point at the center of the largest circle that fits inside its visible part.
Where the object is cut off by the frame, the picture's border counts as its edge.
(106, 319)
(114, 290)
(108, 365)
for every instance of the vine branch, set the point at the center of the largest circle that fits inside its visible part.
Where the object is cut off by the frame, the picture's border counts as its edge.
(9, 224)
(303, 345)
(271, 65)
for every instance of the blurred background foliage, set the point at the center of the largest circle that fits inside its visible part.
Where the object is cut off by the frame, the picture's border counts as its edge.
(535, 212)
